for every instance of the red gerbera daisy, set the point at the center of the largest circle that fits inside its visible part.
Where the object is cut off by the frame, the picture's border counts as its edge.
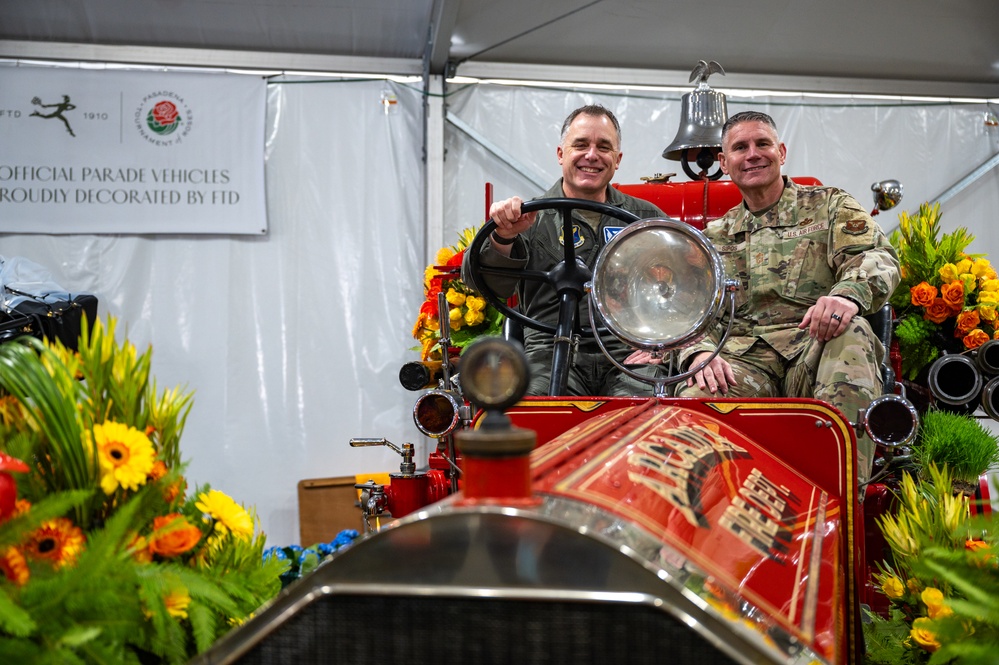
(57, 541)
(14, 567)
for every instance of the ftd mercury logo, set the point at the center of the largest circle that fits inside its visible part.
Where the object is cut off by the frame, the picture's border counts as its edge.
(163, 118)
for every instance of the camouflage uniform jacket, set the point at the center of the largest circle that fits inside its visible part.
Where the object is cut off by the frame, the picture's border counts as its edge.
(816, 241)
(540, 248)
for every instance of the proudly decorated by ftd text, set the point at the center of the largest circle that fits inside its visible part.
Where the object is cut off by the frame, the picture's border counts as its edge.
(163, 118)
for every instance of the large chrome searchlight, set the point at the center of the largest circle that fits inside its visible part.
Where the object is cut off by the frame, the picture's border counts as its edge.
(659, 285)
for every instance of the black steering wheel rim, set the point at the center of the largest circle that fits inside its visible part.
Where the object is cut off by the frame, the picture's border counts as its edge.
(569, 273)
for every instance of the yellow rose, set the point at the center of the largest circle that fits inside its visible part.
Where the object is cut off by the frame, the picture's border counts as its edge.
(455, 297)
(991, 297)
(474, 317)
(980, 267)
(923, 635)
(987, 311)
(964, 265)
(990, 285)
(934, 600)
(456, 319)
(475, 304)
(893, 588)
(948, 273)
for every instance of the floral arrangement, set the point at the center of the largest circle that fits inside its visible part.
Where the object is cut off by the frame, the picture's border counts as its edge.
(947, 299)
(942, 582)
(302, 561)
(469, 315)
(105, 557)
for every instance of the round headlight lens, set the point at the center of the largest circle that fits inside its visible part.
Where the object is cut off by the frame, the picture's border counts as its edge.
(659, 284)
(494, 373)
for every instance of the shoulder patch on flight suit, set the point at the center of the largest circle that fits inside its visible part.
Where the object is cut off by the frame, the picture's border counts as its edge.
(577, 237)
(855, 227)
(610, 232)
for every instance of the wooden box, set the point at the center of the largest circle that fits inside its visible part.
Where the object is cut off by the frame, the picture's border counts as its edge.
(327, 506)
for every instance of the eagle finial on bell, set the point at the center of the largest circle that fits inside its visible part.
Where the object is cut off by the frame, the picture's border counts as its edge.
(702, 114)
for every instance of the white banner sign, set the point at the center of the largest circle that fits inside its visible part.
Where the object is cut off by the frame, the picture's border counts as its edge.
(85, 151)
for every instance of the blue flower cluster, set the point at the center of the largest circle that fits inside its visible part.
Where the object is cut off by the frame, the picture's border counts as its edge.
(304, 560)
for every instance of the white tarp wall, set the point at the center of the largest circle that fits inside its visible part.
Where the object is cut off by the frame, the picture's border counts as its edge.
(292, 341)
(849, 143)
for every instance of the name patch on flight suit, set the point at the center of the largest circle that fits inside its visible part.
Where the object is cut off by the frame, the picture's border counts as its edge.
(577, 237)
(736, 247)
(610, 232)
(804, 230)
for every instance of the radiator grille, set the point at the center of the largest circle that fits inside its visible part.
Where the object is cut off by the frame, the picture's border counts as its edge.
(430, 629)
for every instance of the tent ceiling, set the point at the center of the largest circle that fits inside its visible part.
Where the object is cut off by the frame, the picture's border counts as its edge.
(894, 46)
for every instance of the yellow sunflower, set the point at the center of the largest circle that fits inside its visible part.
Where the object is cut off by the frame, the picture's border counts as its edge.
(228, 515)
(125, 454)
(57, 541)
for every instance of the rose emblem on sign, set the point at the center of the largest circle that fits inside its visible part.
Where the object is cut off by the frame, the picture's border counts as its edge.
(164, 118)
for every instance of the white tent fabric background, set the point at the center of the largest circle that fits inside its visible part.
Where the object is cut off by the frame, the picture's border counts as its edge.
(849, 143)
(292, 341)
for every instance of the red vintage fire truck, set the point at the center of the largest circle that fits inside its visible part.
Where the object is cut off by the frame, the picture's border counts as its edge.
(561, 529)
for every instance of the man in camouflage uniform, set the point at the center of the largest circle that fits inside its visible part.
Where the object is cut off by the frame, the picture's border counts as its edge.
(811, 261)
(589, 152)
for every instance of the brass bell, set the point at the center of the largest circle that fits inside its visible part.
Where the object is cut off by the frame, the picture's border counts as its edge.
(703, 112)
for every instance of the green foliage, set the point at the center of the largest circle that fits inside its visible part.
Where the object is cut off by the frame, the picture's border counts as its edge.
(942, 579)
(914, 334)
(956, 441)
(130, 572)
(922, 251)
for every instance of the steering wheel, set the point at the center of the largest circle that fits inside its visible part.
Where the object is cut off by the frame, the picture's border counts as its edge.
(566, 278)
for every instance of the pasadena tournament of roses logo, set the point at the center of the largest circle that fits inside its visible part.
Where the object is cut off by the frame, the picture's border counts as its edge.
(164, 118)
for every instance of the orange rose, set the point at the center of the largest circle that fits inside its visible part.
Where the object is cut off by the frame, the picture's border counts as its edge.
(173, 535)
(975, 338)
(966, 322)
(938, 311)
(953, 294)
(922, 294)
